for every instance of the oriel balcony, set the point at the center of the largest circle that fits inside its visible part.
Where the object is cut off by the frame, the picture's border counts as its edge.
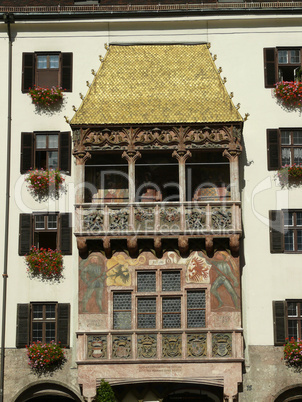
(158, 196)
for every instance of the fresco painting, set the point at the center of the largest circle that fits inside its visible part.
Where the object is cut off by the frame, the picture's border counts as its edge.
(219, 274)
(92, 286)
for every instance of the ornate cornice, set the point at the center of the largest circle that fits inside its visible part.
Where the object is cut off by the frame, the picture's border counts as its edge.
(177, 138)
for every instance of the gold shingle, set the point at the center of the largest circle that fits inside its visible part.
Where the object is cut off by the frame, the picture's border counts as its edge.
(157, 84)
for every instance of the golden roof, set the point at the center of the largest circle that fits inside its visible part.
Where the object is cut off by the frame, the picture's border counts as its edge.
(157, 84)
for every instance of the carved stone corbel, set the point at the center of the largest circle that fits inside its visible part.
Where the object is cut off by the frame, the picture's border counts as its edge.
(234, 243)
(181, 155)
(131, 156)
(209, 243)
(81, 155)
(107, 247)
(183, 244)
(82, 244)
(132, 246)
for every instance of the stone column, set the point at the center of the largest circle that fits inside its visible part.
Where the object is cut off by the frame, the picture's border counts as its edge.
(131, 157)
(233, 157)
(79, 182)
(182, 156)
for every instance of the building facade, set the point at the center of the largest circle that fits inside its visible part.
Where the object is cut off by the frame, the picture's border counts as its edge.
(180, 243)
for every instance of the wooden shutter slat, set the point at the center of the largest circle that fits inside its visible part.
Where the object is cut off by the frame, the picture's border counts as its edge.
(65, 152)
(66, 71)
(273, 149)
(25, 233)
(28, 71)
(270, 67)
(279, 311)
(65, 233)
(63, 324)
(27, 152)
(276, 220)
(23, 314)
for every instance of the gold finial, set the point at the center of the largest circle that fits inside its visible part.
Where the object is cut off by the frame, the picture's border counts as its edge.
(231, 95)
(219, 70)
(93, 72)
(224, 80)
(238, 106)
(246, 116)
(106, 46)
(81, 96)
(87, 83)
(208, 45)
(215, 57)
(101, 58)
(74, 108)
(66, 119)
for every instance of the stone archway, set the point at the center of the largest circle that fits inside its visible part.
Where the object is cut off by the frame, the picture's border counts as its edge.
(47, 392)
(290, 394)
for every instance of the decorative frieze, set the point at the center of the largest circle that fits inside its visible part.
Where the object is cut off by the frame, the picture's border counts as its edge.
(196, 218)
(171, 345)
(161, 138)
(197, 345)
(97, 346)
(222, 345)
(169, 218)
(119, 219)
(221, 218)
(93, 221)
(144, 219)
(201, 219)
(146, 346)
(121, 347)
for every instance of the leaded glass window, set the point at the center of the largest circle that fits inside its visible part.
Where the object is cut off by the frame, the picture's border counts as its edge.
(171, 312)
(122, 310)
(171, 281)
(146, 312)
(196, 309)
(146, 281)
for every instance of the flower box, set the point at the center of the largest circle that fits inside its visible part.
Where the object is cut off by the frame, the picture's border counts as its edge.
(45, 358)
(289, 93)
(45, 184)
(45, 96)
(293, 354)
(290, 175)
(45, 264)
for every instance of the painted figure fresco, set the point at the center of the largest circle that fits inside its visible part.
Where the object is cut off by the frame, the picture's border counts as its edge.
(93, 298)
(225, 285)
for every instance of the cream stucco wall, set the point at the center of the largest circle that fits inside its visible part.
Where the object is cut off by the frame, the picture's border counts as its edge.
(238, 43)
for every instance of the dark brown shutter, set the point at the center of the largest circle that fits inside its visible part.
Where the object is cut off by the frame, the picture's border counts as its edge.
(65, 152)
(25, 233)
(63, 324)
(23, 314)
(270, 67)
(28, 71)
(65, 233)
(279, 311)
(276, 222)
(27, 152)
(273, 149)
(66, 71)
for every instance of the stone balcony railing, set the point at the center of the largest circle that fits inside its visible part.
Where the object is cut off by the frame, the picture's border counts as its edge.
(221, 218)
(144, 345)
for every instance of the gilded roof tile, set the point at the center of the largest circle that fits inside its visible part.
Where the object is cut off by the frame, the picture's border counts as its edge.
(156, 84)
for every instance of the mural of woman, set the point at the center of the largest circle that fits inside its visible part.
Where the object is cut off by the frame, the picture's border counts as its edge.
(92, 285)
